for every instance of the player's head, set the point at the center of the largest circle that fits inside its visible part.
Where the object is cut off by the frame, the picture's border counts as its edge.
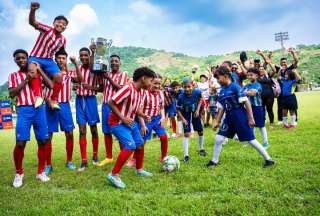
(144, 77)
(187, 85)
(60, 23)
(262, 71)
(167, 82)
(32, 68)
(21, 58)
(253, 74)
(227, 64)
(289, 75)
(156, 83)
(84, 54)
(224, 76)
(283, 63)
(203, 78)
(175, 86)
(256, 63)
(61, 57)
(234, 67)
(115, 62)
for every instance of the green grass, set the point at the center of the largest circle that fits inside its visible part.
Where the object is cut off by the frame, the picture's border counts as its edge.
(239, 186)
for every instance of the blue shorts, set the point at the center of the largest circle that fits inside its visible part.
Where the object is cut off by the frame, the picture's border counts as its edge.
(49, 66)
(236, 122)
(155, 126)
(213, 110)
(87, 110)
(129, 138)
(27, 116)
(259, 116)
(172, 109)
(105, 118)
(62, 117)
(196, 122)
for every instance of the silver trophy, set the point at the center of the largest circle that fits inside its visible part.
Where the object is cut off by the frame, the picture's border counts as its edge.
(102, 53)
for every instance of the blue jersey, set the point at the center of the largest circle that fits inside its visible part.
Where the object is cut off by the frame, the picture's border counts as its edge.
(235, 77)
(187, 103)
(254, 100)
(231, 96)
(287, 86)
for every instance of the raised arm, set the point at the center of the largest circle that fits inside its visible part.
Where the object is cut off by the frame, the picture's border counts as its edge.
(295, 57)
(32, 14)
(297, 76)
(93, 48)
(77, 79)
(267, 60)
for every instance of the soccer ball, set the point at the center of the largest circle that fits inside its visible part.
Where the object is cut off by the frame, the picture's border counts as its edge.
(170, 164)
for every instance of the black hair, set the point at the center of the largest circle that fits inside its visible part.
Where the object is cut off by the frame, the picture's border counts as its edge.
(116, 56)
(254, 70)
(61, 17)
(223, 71)
(235, 64)
(256, 61)
(229, 63)
(61, 51)
(203, 75)
(84, 49)
(174, 84)
(143, 71)
(158, 76)
(291, 75)
(283, 58)
(20, 51)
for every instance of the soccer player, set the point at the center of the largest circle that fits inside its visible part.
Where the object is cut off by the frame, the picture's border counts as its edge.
(27, 114)
(238, 120)
(153, 106)
(188, 109)
(49, 41)
(203, 85)
(253, 90)
(125, 105)
(64, 115)
(87, 106)
(112, 82)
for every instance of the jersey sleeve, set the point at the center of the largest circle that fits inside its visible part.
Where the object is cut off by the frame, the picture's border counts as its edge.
(122, 94)
(242, 97)
(179, 102)
(12, 81)
(42, 27)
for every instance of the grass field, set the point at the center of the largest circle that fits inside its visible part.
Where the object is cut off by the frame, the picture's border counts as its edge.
(239, 186)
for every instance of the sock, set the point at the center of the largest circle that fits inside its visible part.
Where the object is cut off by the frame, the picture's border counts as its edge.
(48, 151)
(185, 146)
(83, 148)
(18, 154)
(174, 125)
(293, 120)
(108, 145)
(41, 158)
(139, 157)
(57, 86)
(180, 127)
(35, 85)
(69, 148)
(164, 146)
(264, 134)
(95, 144)
(217, 148)
(285, 120)
(192, 130)
(200, 142)
(255, 144)
(122, 158)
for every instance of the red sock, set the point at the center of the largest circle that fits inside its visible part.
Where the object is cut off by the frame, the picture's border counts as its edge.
(164, 146)
(122, 158)
(35, 85)
(139, 157)
(48, 149)
(18, 154)
(41, 158)
(95, 144)
(69, 148)
(174, 125)
(57, 86)
(83, 148)
(108, 144)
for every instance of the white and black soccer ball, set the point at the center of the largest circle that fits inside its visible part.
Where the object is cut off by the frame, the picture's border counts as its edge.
(170, 164)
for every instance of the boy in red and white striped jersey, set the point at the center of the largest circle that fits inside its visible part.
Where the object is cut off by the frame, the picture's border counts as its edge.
(125, 105)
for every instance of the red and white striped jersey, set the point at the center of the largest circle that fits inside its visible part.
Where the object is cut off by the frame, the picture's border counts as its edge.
(152, 103)
(128, 100)
(25, 96)
(87, 78)
(120, 78)
(48, 43)
(65, 93)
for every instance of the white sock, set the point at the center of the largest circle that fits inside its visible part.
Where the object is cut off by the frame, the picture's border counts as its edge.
(191, 126)
(255, 144)
(293, 119)
(285, 120)
(180, 127)
(264, 134)
(200, 142)
(185, 146)
(217, 148)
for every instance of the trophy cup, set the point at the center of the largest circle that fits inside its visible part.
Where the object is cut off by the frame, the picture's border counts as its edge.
(101, 63)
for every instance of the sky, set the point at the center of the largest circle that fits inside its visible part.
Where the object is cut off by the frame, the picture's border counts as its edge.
(192, 27)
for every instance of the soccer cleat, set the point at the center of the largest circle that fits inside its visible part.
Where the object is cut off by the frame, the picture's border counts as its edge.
(42, 177)
(211, 164)
(95, 161)
(105, 162)
(293, 126)
(17, 182)
(203, 153)
(286, 126)
(271, 126)
(116, 181)
(83, 166)
(268, 163)
(265, 145)
(48, 170)
(38, 102)
(131, 163)
(70, 165)
(144, 173)
(186, 159)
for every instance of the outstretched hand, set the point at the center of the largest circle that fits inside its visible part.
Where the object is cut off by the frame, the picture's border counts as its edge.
(35, 6)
